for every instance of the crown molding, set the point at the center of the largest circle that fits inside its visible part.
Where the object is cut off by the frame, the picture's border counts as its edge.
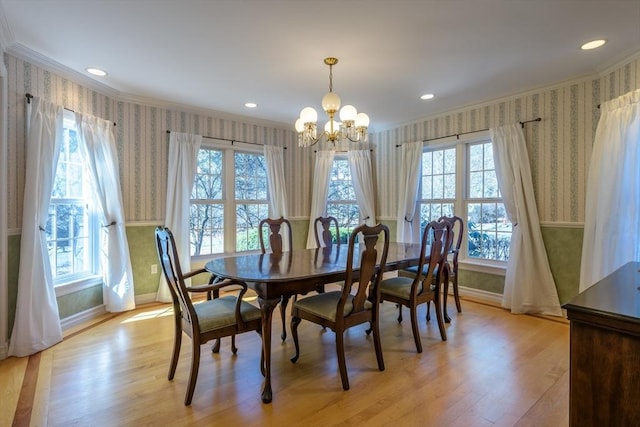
(614, 65)
(6, 37)
(596, 74)
(26, 54)
(22, 52)
(158, 103)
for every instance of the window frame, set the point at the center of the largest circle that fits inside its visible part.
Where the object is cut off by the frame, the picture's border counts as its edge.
(92, 276)
(228, 200)
(343, 157)
(460, 208)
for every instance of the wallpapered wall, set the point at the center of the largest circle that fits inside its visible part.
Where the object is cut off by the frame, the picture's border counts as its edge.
(559, 146)
(141, 138)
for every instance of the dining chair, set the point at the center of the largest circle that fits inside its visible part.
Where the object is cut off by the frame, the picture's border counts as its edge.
(206, 320)
(356, 303)
(457, 228)
(457, 231)
(425, 285)
(274, 233)
(326, 236)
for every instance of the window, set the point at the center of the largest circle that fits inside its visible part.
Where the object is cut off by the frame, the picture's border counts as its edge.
(341, 199)
(71, 230)
(251, 199)
(461, 180)
(228, 200)
(206, 220)
(489, 230)
(437, 195)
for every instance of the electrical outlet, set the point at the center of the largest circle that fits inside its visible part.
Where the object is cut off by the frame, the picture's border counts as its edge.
(154, 268)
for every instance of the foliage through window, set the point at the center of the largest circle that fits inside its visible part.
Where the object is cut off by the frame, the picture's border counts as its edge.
(251, 199)
(228, 200)
(488, 232)
(341, 199)
(71, 229)
(437, 184)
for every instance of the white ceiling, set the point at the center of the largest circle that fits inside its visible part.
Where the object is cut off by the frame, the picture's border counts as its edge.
(219, 54)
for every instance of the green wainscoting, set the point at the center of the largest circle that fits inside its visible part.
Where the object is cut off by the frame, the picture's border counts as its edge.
(563, 245)
(482, 281)
(142, 249)
(80, 301)
(564, 249)
(300, 229)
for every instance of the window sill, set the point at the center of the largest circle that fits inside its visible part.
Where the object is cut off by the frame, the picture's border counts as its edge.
(488, 267)
(77, 285)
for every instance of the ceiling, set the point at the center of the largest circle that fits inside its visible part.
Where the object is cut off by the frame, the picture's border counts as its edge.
(219, 54)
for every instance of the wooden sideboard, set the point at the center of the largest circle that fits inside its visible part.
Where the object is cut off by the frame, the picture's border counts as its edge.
(605, 351)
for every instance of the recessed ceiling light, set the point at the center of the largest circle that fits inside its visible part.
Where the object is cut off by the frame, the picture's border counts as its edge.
(593, 44)
(427, 96)
(250, 105)
(96, 71)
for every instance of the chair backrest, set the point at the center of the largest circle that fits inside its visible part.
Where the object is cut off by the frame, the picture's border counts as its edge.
(457, 228)
(327, 237)
(437, 237)
(168, 256)
(275, 234)
(369, 272)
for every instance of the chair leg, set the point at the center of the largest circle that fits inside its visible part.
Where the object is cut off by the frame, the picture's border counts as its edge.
(177, 342)
(216, 346)
(445, 297)
(428, 311)
(283, 313)
(370, 329)
(439, 316)
(193, 376)
(414, 327)
(342, 365)
(377, 344)
(234, 349)
(456, 293)
(295, 321)
(399, 312)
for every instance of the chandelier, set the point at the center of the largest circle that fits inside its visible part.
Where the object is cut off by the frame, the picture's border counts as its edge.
(353, 125)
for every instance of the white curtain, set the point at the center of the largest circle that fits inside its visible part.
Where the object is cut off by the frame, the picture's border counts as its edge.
(98, 146)
(362, 179)
(274, 157)
(321, 176)
(182, 168)
(528, 286)
(612, 217)
(37, 322)
(408, 193)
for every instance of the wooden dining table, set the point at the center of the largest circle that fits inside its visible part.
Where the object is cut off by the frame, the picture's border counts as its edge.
(274, 276)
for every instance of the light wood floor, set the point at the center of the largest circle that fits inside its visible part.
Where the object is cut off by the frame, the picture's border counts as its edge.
(496, 369)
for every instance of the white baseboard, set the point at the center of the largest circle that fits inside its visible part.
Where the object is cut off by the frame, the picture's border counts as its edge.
(146, 298)
(479, 295)
(93, 312)
(83, 316)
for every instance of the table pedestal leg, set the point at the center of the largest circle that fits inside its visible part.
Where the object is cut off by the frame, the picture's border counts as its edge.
(266, 307)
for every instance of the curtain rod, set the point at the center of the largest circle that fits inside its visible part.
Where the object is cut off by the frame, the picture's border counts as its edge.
(232, 140)
(29, 96)
(341, 151)
(457, 135)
